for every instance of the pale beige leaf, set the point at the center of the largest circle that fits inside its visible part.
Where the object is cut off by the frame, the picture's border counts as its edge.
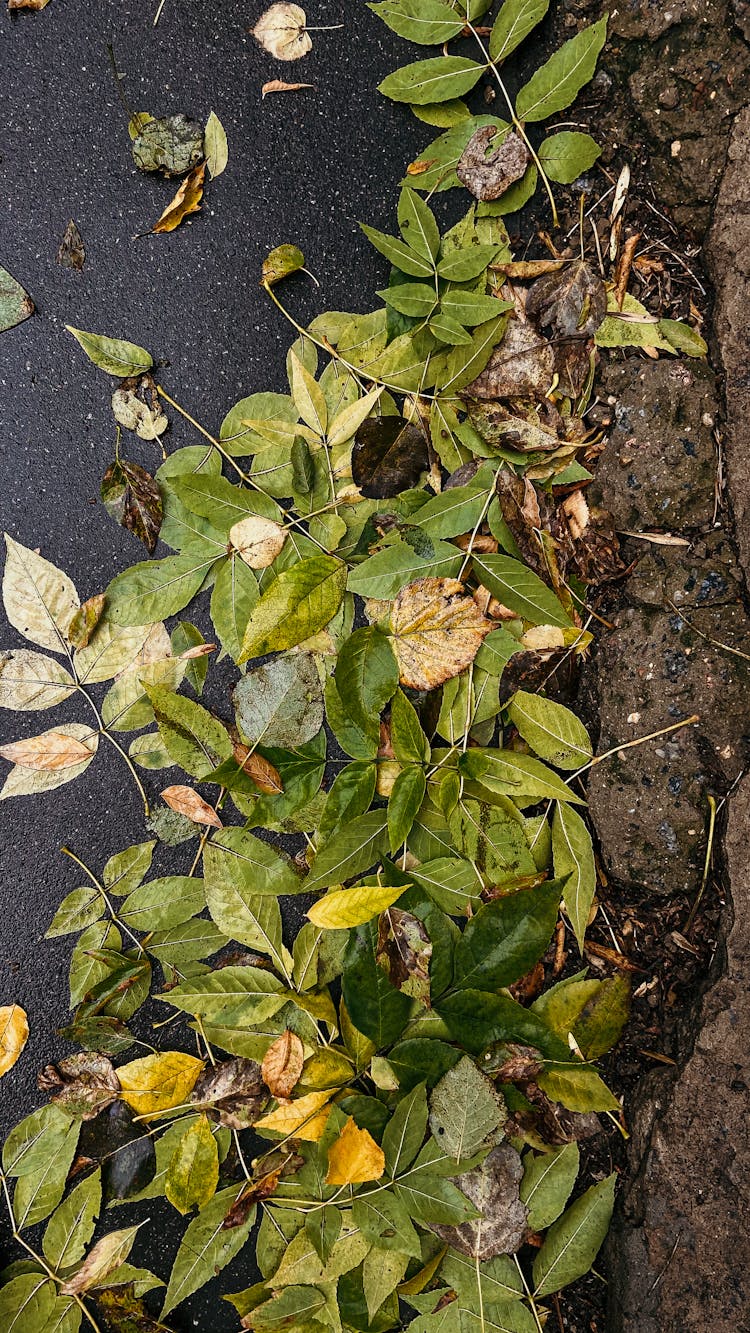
(187, 802)
(186, 201)
(159, 1082)
(281, 31)
(258, 540)
(30, 681)
(40, 601)
(14, 1033)
(279, 86)
(282, 1064)
(25, 781)
(437, 631)
(104, 1258)
(114, 648)
(50, 750)
(215, 146)
(354, 1157)
(305, 1118)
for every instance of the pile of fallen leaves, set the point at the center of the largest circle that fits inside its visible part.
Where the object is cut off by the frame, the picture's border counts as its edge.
(396, 555)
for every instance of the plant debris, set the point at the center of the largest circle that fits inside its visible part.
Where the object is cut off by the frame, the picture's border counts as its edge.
(72, 252)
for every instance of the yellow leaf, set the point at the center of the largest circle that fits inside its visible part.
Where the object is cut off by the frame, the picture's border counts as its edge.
(282, 1064)
(257, 540)
(51, 750)
(186, 201)
(343, 908)
(187, 802)
(158, 1082)
(14, 1033)
(281, 31)
(437, 631)
(354, 1157)
(305, 1118)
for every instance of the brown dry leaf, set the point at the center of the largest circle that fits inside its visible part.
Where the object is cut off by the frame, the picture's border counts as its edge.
(232, 1093)
(264, 775)
(576, 511)
(187, 802)
(72, 252)
(14, 1033)
(487, 176)
(282, 31)
(82, 1084)
(354, 1157)
(437, 630)
(102, 1259)
(50, 751)
(493, 1188)
(404, 951)
(257, 540)
(186, 201)
(569, 304)
(279, 86)
(528, 268)
(282, 1064)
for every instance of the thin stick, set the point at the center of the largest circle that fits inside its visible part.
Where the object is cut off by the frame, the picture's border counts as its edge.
(706, 865)
(629, 745)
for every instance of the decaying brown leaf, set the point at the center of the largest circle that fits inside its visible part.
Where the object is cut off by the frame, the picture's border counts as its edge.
(279, 86)
(82, 1084)
(282, 1064)
(488, 175)
(50, 751)
(27, 4)
(264, 775)
(282, 31)
(233, 1093)
(186, 201)
(528, 268)
(187, 802)
(569, 304)
(522, 366)
(102, 1259)
(14, 1033)
(404, 951)
(437, 630)
(72, 252)
(136, 406)
(85, 620)
(493, 1188)
(257, 540)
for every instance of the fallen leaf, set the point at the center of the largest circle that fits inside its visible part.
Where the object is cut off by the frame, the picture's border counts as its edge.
(215, 146)
(187, 802)
(282, 1064)
(257, 540)
(354, 1157)
(172, 145)
(105, 1257)
(282, 31)
(389, 456)
(186, 201)
(82, 1084)
(282, 261)
(279, 86)
(569, 304)
(27, 4)
(50, 751)
(304, 1118)
(85, 621)
(132, 497)
(488, 175)
(493, 1188)
(132, 411)
(14, 1033)
(159, 1081)
(232, 1093)
(264, 775)
(522, 366)
(15, 304)
(72, 253)
(437, 630)
(404, 951)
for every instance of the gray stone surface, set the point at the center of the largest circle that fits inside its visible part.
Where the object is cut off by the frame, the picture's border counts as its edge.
(680, 1249)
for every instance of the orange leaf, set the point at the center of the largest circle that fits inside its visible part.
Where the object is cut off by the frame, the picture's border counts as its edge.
(187, 802)
(186, 201)
(50, 751)
(282, 1064)
(264, 775)
(354, 1157)
(14, 1033)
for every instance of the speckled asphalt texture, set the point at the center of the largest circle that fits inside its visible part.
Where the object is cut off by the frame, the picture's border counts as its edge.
(302, 167)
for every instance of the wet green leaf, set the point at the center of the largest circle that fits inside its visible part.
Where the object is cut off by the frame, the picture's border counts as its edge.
(299, 602)
(435, 80)
(557, 83)
(572, 1243)
(112, 355)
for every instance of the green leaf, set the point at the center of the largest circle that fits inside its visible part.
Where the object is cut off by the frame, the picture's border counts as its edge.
(415, 218)
(465, 363)
(384, 1221)
(385, 573)
(78, 909)
(558, 82)
(434, 80)
(125, 870)
(404, 1134)
(155, 589)
(323, 1228)
(299, 602)
(552, 731)
(254, 920)
(27, 1302)
(548, 1179)
(573, 856)
(478, 1019)
(465, 1107)
(572, 1243)
(427, 22)
(375, 1007)
(448, 330)
(195, 740)
(486, 1284)
(404, 804)
(39, 1191)
(517, 18)
(399, 253)
(350, 795)
(602, 1019)
(359, 742)
(206, 1248)
(567, 155)
(511, 773)
(506, 937)
(577, 1086)
(71, 1226)
(308, 396)
(452, 883)
(163, 903)
(682, 337)
(466, 263)
(432, 1198)
(219, 500)
(280, 702)
(112, 354)
(470, 308)
(366, 674)
(520, 589)
(15, 303)
(193, 1172)
(410, 745)
(238, 866)
(350, 852)
(215, 146)
(234, 595)
(414, 299)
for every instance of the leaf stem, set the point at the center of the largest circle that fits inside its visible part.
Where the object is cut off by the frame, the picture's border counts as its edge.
(529, 1296)
(105, 897)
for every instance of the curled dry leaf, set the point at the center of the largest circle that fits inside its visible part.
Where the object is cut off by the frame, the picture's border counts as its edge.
(258, 540)
(104, 1258)
(72, 252)
(85, 620)
(187, 802)
(131, 411)
(282, 1064)
(232, 1093)
(82, 1084)
(437, 630)
(488, 175)
(282, 261)
(569, 304)
(282, 31)
(354, 1157)
(50, 751)
(14, 1033)
(132, 497)
(186, 201)
(279, 86)
(266, 778)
